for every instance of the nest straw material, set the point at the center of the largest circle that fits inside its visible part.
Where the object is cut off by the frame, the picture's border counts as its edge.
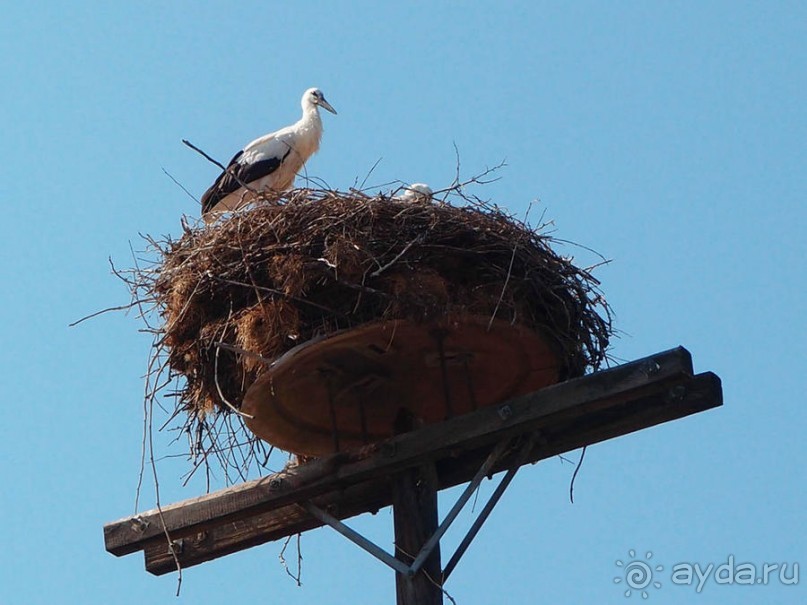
(311, 262)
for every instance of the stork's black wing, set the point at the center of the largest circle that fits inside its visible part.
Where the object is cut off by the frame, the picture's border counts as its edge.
(237, 174)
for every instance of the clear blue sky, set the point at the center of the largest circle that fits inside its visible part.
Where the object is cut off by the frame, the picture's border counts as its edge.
(668, 136)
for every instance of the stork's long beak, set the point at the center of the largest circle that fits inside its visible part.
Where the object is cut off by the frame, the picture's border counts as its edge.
(325, 105)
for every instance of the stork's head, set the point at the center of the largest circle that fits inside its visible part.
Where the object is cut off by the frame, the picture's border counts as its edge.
(313, 98)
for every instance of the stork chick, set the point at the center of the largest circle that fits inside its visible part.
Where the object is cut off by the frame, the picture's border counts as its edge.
(268, 163)
(416, 192)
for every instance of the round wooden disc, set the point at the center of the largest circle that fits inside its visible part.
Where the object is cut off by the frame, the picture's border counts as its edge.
(367, 384)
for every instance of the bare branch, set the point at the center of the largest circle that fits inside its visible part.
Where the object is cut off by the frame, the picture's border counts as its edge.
(107, 310)
(204, 155)
(370, 172)
(180, 185)
(220, 165)
(418, 240)
(574, 475)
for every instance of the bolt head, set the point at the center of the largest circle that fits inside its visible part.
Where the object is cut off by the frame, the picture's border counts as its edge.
(505, 411)
(651, 367)
(676, 393)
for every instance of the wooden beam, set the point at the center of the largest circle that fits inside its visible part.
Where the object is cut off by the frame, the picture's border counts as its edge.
(222, 540)
(340, 470)
(702, 392)
(566, 402)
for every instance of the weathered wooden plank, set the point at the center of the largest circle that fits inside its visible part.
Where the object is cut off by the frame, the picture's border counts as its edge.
(686, 397)
(569, 399)
(277, 524)
(677, 400)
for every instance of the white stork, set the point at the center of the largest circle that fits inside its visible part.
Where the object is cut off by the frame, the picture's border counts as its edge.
(270, 162)
(416, 192)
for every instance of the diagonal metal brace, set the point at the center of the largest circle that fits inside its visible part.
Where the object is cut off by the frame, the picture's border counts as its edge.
(355, 537)
(483, 471)
(410, 570)
(488, 508)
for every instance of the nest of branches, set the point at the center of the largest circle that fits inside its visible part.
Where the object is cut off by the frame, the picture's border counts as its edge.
(310, 262)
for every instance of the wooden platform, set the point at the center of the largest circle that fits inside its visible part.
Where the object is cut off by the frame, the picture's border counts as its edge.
(559, 418)
(358, 386)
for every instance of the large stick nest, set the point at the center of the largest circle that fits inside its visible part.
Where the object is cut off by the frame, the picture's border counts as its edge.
(311, 262)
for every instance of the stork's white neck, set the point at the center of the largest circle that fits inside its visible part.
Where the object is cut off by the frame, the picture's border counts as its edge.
(310, 122)
(309, 132)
